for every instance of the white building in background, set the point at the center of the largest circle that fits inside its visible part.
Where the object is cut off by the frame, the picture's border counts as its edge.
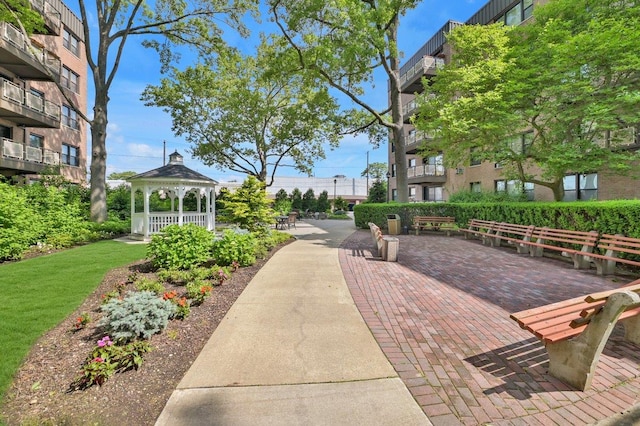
(352, 190)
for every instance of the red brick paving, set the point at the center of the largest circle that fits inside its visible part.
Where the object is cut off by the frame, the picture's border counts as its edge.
(441, 316)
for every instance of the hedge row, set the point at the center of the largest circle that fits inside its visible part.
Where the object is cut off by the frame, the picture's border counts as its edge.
(613, 217)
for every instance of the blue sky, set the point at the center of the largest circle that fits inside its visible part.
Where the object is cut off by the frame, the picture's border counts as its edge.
(136, 132)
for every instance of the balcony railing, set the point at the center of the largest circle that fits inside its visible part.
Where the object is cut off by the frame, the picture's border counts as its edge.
(409, 108)
(21, 151)
(416, 137)
(18, 95)
(13, 35)
(426, 170)
(48, 10)
(428, 65)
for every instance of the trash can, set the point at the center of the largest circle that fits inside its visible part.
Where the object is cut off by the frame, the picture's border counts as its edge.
(393, 224)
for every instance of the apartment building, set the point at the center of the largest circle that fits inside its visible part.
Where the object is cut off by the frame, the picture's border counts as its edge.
(429, 180)
(39, 129)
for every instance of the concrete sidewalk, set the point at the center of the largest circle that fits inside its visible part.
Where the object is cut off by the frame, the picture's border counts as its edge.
(294, 349)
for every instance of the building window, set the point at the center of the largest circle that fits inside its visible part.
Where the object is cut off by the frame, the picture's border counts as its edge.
(521, 11)
(434, 165)
(432, 193)
(521, 143)
(580, 187)
(474, 157)
(71, 42)
(70, 117)
(393, 170)
(475, 187)
(394, 194)
(412, 192)
(412, 162)
(515, 187)
(69, 79)
(36, 141)
(70, 155)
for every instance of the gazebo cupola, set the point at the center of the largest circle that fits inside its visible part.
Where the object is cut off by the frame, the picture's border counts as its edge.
(177, 182)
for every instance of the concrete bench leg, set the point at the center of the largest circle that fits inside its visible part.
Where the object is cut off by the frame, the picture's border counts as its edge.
(632, 329)
(390, 249)
(574, 361)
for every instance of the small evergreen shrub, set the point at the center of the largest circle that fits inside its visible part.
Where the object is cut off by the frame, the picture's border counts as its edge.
(234, 246)
(138, 315)
(180, 247)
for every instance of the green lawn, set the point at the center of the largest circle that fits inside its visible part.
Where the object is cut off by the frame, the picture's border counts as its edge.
(36, 294)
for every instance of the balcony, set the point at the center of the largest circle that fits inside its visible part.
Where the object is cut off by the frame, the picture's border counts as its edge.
(408, 109)
(25, 108)
(51, 15)
(426, 173)
(18, 158)
(414, 141)
(411, 80)
(29, 63)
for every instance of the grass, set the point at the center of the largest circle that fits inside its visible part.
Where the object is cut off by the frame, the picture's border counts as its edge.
(37, 294)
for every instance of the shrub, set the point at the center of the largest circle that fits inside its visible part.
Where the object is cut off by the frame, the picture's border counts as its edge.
(139, 315)
(146, 284)
(235, 246)
(198, 291)
(180, 247)
(248, 206)
(20, 226)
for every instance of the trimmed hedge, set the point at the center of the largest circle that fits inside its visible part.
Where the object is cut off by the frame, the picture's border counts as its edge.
(612, 217)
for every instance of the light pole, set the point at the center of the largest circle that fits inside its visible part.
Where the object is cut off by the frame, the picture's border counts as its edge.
(388, 188)
(335, 181)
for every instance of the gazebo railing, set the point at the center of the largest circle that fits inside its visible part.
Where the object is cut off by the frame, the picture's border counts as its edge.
(159, 220)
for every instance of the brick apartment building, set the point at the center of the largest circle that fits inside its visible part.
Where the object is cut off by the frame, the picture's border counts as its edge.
(39, 129)
(429, 180)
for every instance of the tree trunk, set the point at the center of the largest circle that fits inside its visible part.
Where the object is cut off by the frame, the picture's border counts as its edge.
(99, 159)
(558, 191)
(400, 155)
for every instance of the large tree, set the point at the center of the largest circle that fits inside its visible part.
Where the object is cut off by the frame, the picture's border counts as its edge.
(164, 24)
(558, 95)
(342, 43)
(249, 114)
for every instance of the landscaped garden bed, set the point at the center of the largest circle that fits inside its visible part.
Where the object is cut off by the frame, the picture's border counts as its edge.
(48, 388)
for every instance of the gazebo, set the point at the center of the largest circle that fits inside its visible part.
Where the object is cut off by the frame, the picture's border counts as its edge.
(175, 181)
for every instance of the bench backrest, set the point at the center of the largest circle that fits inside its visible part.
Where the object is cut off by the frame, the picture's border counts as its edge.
(434, 218)
(619, 243)
(567, 237)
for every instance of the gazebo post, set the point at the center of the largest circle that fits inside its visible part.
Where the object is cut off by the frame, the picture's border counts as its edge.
(145, 217)
(180, 205)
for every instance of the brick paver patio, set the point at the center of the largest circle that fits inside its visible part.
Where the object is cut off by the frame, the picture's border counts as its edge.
(441, 315)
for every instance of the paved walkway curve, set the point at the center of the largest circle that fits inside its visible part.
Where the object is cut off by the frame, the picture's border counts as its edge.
(294, 350)
(441, 316)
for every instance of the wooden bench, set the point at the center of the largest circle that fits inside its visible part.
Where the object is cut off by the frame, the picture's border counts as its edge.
(512, 233)
(447, 223)
(479, 228)
(575, 331)
(610, 246)
(574, 244)
(376, 234)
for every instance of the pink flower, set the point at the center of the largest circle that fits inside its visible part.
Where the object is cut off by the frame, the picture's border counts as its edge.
(98, 359)
(105, 341)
